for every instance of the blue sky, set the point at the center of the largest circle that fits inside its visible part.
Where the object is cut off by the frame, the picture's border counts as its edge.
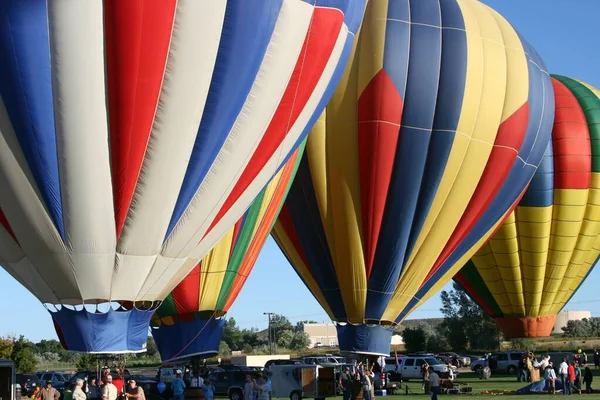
(565, 34)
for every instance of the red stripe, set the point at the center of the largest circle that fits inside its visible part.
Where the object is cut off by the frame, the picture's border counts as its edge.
(186, 294)
(322, 36)
(379, 114)
(285, 219)
(502, 158)
(262, 232)
(6, 225)
(236, 234)
(138, 33)
(570, 141)
(460, 278)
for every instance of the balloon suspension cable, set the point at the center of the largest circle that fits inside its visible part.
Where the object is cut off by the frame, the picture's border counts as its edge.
(194, 338)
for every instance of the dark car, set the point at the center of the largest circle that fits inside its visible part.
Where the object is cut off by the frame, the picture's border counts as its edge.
(148, 384)
(231, 383)
(28, 383)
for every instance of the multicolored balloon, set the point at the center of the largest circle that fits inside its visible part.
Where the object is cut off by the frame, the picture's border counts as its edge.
(541, 255)
(435, 130)
(189, 323)
(135, 133)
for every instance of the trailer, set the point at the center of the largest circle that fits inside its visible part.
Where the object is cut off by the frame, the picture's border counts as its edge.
(8, 380)
(303, 381)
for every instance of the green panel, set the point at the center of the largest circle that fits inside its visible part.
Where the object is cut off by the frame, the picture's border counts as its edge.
(478, 286)
(167, 307)
(590, 103)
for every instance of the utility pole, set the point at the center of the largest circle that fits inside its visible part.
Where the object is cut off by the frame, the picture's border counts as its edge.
(271, 338)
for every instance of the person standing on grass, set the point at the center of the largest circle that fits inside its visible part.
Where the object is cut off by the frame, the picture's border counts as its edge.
(434, 383)
(550, 377)
(596, 358)
(588, 377)
(178, 387)
(571, 374)
(563, 371)
(346, 383)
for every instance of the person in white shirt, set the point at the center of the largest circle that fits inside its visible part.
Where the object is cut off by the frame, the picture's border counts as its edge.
(78, 393)
(563, 371)
(434, 383)
(109, 391)
(196, 381)
(550, 377)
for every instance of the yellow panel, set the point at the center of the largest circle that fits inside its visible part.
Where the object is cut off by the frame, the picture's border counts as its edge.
(567, 218)
(212, 272)
(489, 116)
(465, 128)
(590, 87)
(590, 229)
(290, 251)
(341, 211)
(534, 225)
(456, 267)
(372, 37)
(268, 197)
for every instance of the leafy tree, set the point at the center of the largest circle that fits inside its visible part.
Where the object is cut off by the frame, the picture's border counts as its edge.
(23, 356)
(48, 346)
(87, 362)
(6, 347)
(247, 349)
(279, 324)
(415, 339)
(224, 349)
(587, 327)
(466, 325)
(300, 341)
(151, 349)
(285, 339)
(232, 335)
(250, 336)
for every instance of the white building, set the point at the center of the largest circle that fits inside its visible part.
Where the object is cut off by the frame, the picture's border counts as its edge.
(565, 316)
(321, 335)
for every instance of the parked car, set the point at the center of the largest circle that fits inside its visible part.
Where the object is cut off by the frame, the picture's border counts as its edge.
(504, 362)
(463, 361)
(410, 367)
(230, 383)
(57, 378)
(292, 361)
(28, 383)
(148, 384)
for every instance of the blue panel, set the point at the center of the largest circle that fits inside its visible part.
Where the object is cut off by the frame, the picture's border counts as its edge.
(397, 44)
(365, 339)
(353, 10)
(185, 339)
(247, 29)
(409, 166)
(425, 12)
(26, 88)
(447, 115)
(304, 211)
(539, 132)
(540, 192)
(111, 332)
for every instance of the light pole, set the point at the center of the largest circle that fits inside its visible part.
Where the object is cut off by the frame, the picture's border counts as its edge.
(270, 341)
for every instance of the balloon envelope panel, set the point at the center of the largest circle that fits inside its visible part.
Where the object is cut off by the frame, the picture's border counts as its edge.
(536, 261)
(437, 126)
(187, 322)
(134, 134)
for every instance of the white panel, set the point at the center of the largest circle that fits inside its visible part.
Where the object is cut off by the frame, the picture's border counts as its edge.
(275, 161)
(262, 102)
(192, 55)
(156, 281)
(28, 217)
(77, 48)
(125, 282)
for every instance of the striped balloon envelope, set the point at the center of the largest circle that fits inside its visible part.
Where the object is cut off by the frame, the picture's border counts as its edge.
(436, 128)
(540, 256)
(135, 133)
(189, 323)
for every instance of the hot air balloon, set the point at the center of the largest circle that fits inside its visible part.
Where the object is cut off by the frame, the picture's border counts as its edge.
(189, 322)
(437, 126)
(135, 133)
(540, 256)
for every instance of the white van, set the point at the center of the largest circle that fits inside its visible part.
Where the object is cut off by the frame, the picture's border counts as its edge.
(303, 381)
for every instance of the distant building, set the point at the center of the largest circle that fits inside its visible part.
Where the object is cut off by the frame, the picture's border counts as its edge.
(565, 316)
(397, 340)
(321, 335)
